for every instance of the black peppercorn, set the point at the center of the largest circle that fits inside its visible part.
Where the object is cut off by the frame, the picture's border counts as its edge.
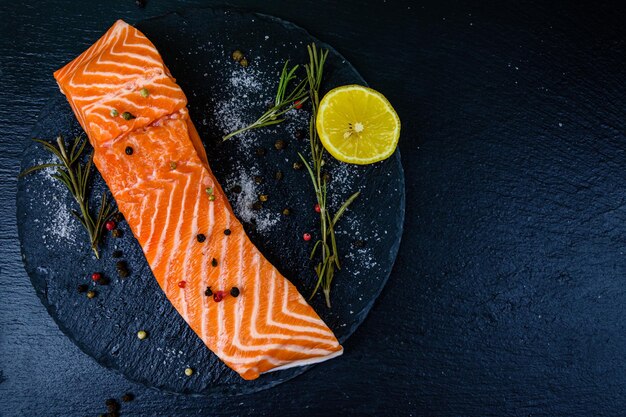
(227, 232)
(234, 292)
(278, 175)
(128, 116)
(121, 264)
(213, 262)
(299, 134)
(297, 165)
(117, 254)
(280, 144)
(129, 150)
(208, 292)
(257, 205)
(118, 217)
(82, 288)
(123, 272)
(260, 151)
(112, 405)
(128, 397)
(258, 179)
(236, 189)
(201, 238)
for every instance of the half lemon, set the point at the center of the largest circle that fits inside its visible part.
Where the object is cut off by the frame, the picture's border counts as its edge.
(357, 125)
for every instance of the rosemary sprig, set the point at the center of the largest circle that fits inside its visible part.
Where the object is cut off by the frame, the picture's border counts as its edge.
(329, 259)
(282, 103)
(75, 176)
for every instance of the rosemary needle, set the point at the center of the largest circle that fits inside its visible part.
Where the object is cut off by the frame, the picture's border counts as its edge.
(282, 103)
(75, 176)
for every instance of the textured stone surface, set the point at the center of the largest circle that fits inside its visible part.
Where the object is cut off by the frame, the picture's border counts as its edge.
(507, 297)
(195, 46)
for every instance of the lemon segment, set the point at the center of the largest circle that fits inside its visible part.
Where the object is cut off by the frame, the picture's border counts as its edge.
(357, 125)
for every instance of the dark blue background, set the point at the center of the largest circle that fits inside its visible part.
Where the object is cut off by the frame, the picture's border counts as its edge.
(508, 294)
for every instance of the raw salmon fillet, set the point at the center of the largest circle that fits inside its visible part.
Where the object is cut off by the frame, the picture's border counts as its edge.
(164, 188)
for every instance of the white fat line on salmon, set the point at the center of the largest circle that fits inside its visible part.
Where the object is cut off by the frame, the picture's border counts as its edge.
(304, 362)
(222, 334)
(309, 319)
(205, 276)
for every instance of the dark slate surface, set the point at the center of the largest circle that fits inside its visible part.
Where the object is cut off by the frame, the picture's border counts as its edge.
(507, 297)
(195, 45)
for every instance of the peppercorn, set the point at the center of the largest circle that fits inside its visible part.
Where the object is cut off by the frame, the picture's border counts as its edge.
(234, 292)
(208, 292)
(128, 397)
(201, 238)
(306, 236)
(116, 233)
(260, 151)
(280, 144)
(278, 175)
(91, 294)
(209, 190)
(263, 198)
(257, 205)
(237, 55)
(211, 197)
(258, 179)
(113, 113)
(299, 134)
(243, 62)
(144, 92)
(173, 165)
(297, 165)
(110, 225)
(227, 232)
(121, 265)
(182, 284)
(188, 371)
(96, 276)
(218, 296)
(236, 189)
(82, 288)
(117, 254)
(123, 272)
(297, 104)
(213, 262)
(142, 334)
(286, 212)
(128, 116)
(112, 405)
(118, 217)
(317, 208)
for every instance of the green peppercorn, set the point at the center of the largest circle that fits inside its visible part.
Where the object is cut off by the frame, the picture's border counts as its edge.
(243, 62)
(214, 262)
(234, 292)
(280, 144)
(263, 198)
(286, 212)
(173, 165)
(114, 113)
(91, 294)
(211, 197)
(128, 116)
(208, 292)
(117, 233)
(227, 232)
(236, 189)
(142, 334)
(237, 55)
(200, 237)
(144, 92)
(82, 288)
(258, 179)
(260, 151)
(128, 397)
(188, 371)
(297, 165)
(257, 205)
(209, 190)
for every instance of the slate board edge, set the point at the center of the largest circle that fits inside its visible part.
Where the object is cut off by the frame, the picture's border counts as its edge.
(35, 276)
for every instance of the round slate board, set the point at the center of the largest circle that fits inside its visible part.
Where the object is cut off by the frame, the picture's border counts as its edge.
(196, 46)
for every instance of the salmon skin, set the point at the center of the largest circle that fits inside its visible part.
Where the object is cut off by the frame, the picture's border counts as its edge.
(151, 157)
